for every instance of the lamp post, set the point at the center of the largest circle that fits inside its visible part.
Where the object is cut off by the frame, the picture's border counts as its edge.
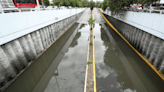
(37, 1)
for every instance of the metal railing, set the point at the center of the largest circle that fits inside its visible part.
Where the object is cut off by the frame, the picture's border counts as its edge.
(11, 10)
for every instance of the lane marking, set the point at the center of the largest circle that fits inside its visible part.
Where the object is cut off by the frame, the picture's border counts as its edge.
(94, 69)
(158, 72)
(86, 73)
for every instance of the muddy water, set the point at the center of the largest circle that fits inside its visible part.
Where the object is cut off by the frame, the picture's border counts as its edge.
(61, 68)
(119, 68)
(70, 74)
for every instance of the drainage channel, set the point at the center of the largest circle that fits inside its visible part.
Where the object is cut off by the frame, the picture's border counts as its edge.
(69, 75)
(119, 68)
(61, 68)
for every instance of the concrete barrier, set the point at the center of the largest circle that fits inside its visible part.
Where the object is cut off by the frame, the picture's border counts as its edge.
(150, 46)
(18, 53)
(15, 25)
(149, 22)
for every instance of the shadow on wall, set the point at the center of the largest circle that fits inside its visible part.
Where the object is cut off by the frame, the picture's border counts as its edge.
(150, 46)
(16, 55)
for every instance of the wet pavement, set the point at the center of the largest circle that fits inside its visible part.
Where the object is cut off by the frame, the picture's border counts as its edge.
(85, 16)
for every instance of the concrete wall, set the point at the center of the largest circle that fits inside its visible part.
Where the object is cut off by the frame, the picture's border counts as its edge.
(148, 22)
(150, 46)
(18, 53)
(17, 24)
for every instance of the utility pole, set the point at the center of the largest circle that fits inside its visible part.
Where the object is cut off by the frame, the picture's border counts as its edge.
(37, 1)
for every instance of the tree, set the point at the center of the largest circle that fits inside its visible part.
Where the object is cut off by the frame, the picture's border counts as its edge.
(117, 5)
(65, 3)
(72, 3)
(104, 5)
(46, 2)
(98, 4)
(85, 3)
(79, 3)
(91, 4)
(57, 2)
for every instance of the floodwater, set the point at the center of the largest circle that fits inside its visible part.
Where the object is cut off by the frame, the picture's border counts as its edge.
(70, 73)
(119, 68)
(61, 68)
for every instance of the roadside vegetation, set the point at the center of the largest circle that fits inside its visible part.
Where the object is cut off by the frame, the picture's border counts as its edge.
(114, 5)
(90, 63)
(77, 3)
(91, 21)
(91, 44)
(118, 5)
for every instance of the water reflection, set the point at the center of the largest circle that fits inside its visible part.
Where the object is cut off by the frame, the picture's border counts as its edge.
(71, 71)
(75, 42)
(113, 73)
(37, 76)
(121, 69)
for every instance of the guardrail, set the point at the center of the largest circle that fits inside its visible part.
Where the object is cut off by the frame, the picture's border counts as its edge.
(11, 10)
(152, 11)
(146, 11)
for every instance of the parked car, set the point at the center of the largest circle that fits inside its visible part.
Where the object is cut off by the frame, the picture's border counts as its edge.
(153, 7)
(136, 7)
(145, 7)
(125, 8)
(161, 6)
(50, 7)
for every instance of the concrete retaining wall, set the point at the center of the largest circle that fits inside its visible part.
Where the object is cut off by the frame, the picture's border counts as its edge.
(150, 46)
(149, 22)
(17, 24)
(18, 53)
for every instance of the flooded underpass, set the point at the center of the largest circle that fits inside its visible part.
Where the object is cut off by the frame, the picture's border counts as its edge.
(71, 70)
(119, 68)
(62, 67)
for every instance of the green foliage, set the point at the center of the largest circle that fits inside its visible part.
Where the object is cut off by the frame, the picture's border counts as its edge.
(89, 63)
(46, 2)
(65, 3)
(91, 21)
(104, 6)
(91, 44)
(57, 2)
(117, 5)
(73, 3)
(98, 4)
(91, 4)
(51, 4)
(79, 3)
(85, 3)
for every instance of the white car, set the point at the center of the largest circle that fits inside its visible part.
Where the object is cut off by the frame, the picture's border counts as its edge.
(136, 7)
(50, 7)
